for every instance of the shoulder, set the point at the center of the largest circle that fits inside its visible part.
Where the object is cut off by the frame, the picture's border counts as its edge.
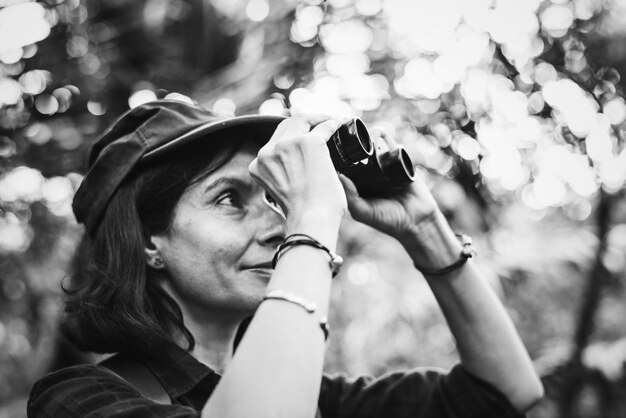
(75, 378)
(77, 375)
(61, 392)
(91, 391)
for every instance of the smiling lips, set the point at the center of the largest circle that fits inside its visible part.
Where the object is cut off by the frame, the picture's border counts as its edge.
(264, 266)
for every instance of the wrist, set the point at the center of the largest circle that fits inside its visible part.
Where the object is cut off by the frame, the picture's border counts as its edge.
(320, 223)
(431, 243)
(466, 253)
(299, 239)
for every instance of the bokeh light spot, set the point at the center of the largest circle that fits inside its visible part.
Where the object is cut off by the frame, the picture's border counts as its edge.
(257, 10)
(14, 237)
(7, 147)
(11, 56)
(599, 144)
(38, 133)
(467, 147)
(21, 183)
(536, 103)
(548, 190)
(140, 97)
(46, 104)
(556, 19)
(578, 210)
(426, 24)
(64, 97)
(35, 81)
(89, 64)
(368, 7)
(77, 46)
(348, 37)
(361, 273)
(22, 24)
(180, 97)
(10, 92)
(56, 189)
(272, 107)
(29, 51)
(347, 64)
(96, 108)
(613, 173)
(224, 106)
(615, 110)
(545, 73)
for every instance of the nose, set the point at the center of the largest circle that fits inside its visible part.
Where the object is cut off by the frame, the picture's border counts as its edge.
(273, 226)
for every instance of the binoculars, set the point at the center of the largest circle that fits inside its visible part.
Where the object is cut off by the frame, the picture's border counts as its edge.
(374, 170)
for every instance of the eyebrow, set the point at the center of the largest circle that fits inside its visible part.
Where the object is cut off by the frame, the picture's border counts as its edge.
(229, 180)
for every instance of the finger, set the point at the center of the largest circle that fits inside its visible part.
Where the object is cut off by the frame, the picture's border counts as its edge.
(268, 198)
(356, 204)
(296, 125)
(273, 204)
(326, 129)
(348, 186)
(253, 170)
(302, 123)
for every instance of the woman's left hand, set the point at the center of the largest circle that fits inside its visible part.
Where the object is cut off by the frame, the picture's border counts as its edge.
(397, 215)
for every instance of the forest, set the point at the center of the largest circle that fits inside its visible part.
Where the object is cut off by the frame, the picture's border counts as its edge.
(513, 111)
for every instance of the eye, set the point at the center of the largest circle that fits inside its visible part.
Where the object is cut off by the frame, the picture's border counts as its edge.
(229, 198)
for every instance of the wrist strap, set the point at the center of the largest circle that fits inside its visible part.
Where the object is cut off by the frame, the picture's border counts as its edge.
(336, 261)
(308, 306)
(467, 252)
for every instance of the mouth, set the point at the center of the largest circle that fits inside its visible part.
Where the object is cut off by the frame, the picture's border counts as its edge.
(261, 266)
(264, 271)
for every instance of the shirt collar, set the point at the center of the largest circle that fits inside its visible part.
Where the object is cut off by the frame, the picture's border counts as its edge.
(177, 370)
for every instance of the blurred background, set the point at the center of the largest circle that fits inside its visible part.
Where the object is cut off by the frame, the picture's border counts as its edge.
(513, 109)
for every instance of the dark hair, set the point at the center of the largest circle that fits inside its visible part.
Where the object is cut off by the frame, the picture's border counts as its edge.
(114, 302)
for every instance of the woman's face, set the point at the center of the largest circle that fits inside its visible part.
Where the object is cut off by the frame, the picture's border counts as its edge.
(219, 250)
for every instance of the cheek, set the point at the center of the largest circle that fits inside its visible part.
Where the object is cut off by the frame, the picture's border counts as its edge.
(213, 246)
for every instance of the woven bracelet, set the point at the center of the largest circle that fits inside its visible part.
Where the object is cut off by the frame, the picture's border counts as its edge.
(335, 263)
(467, 252)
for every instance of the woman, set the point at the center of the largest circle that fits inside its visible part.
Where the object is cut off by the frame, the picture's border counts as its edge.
(184, 246)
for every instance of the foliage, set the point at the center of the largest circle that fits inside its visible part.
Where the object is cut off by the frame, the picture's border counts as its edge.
(513, 110)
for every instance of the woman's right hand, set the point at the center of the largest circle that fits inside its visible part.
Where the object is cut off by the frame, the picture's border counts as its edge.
(295, 169)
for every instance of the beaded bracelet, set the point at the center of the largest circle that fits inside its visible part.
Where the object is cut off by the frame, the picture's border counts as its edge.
(336, 261)
(467, 252)
(308, 306)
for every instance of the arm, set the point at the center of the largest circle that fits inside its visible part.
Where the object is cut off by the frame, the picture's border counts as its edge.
(277, 369)
(488, 343)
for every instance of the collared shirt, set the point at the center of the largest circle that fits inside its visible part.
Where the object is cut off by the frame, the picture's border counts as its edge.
(90, 391)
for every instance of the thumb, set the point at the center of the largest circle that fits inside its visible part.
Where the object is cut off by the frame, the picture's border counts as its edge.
(357, 206)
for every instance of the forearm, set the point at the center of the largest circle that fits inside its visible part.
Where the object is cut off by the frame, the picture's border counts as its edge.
(489, 346)
(277, 369)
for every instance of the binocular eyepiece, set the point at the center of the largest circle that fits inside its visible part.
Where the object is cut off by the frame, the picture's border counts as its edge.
(374, 170)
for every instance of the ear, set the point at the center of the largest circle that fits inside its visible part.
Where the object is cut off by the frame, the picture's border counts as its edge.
(153, 257)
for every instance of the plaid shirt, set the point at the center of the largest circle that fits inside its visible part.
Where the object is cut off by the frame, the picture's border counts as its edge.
(89, 391)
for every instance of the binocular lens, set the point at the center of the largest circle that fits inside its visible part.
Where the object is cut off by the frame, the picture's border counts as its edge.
(350, 144)
(384, 173)
(397, 165)
(375, 172)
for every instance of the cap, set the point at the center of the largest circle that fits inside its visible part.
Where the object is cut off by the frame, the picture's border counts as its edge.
(144, 132)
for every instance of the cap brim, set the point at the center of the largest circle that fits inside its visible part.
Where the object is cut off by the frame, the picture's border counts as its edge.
(263, 122)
